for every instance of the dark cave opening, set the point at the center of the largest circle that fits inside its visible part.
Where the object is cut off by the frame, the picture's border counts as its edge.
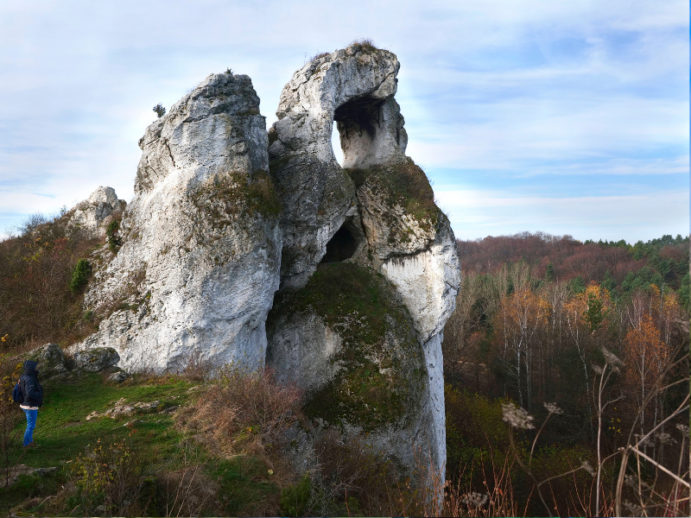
(342, 246)
(360, 115)
(358, 125)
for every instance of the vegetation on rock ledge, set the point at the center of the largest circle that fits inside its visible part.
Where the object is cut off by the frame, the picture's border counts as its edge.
(404, 184)
(383, 370)
(226, 197)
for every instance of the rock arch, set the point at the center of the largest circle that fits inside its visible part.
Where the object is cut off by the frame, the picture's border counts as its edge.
(354, 87)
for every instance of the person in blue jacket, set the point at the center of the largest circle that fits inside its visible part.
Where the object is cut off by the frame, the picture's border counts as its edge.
(33, 399)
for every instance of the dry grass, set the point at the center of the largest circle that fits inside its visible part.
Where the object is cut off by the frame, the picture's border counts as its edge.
(319, 55)
(367, 44)
(241, 413)
(497, 498)
(188, 492)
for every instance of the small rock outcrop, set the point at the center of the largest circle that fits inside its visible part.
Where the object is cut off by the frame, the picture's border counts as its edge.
(50, 360)
(122, 408)
(200, 247)
(52, 363)
(96, 360)
(92, 216)
(9, 476)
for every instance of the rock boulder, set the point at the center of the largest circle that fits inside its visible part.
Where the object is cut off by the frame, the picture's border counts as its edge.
(96, 360)
(50, 359)
(92, 216)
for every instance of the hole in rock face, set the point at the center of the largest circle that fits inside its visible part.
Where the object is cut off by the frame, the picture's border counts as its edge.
(358, 124)
(342, 245)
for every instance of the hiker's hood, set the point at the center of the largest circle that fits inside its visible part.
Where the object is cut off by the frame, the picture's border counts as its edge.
(30, 367)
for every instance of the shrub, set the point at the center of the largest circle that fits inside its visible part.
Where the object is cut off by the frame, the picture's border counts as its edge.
(294, 499)
(114, 240)
(475, 433)
(354, 479)
(36, 269)
(159, 110)
(366, 43)
(186, 492)
(80, 275)
(108, 480)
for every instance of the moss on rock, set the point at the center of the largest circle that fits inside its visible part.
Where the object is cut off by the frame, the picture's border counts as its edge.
(226, 197)
(404, 184)
(382, 372)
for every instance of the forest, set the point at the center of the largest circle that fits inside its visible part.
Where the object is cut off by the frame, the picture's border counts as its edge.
(589, 339)
(566, 390)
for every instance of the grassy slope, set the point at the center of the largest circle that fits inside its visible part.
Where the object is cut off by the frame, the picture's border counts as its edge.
(62, 433)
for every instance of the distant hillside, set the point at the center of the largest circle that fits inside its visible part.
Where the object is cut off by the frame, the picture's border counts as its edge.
(620, 267)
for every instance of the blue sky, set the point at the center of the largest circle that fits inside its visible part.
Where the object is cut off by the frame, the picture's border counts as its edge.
(569, 117)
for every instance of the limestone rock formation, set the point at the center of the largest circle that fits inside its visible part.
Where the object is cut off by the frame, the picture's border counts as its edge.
(378, 215)
(355, 87)
(348, 341)
(93, 215)
(362, 263)
(199, 260)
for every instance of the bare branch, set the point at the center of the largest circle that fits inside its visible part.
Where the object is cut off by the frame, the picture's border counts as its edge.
(661, 467)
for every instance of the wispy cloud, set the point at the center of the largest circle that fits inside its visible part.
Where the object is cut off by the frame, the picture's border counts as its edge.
(530, 89)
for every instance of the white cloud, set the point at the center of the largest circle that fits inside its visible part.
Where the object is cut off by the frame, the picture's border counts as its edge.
(491, 85)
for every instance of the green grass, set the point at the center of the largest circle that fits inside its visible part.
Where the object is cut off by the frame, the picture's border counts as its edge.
(63, 433)
(62, 430)
(244, 482)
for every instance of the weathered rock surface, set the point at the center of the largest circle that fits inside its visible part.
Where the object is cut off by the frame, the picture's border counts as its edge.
(200, 255)
(50, 359)
(348, 341)
(122, 408)
(96, 360)
(118, 377)
(390, 226)
(355, 87)
(52, 363)
(93, 215)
